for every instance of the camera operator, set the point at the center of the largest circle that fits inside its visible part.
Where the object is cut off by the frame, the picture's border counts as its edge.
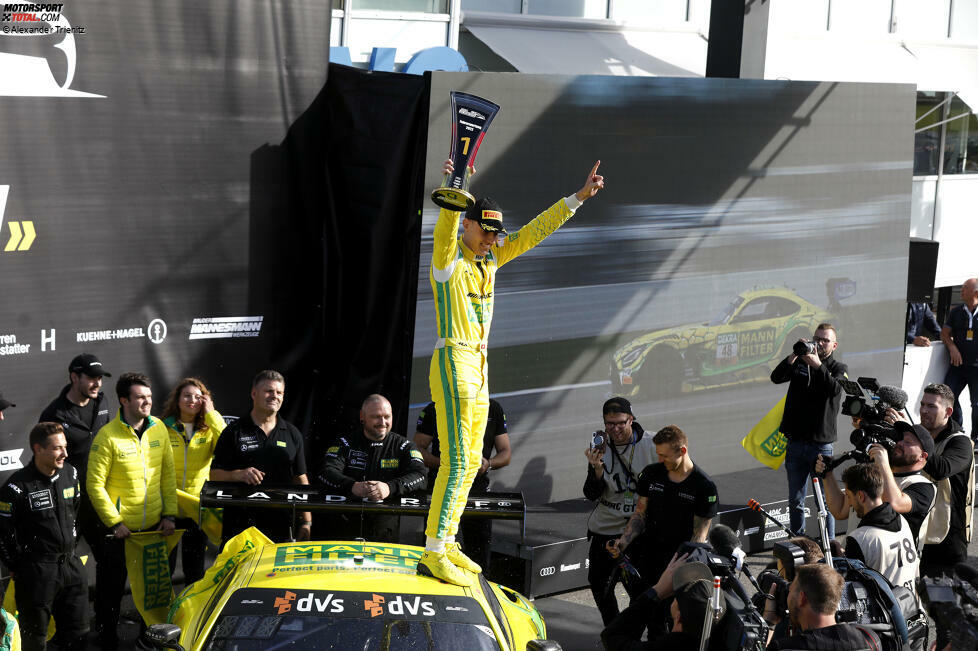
(952, 467)
(692, 586)
(813, 598)
(905, 487)
(883, 540)
(810, 411)
(614, 462)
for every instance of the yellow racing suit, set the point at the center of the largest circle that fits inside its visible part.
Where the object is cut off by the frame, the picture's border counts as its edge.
(463, 287)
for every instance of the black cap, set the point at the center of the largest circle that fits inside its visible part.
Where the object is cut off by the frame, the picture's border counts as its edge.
(89, 365)
(693, 585)
(4, 403)
(619, 404)
(486, 212)
(926, 440)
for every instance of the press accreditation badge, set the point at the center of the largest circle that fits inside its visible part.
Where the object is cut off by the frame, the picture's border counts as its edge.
(629, 498)
(969, 335)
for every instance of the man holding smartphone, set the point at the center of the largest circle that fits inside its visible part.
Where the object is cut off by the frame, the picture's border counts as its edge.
(615, 458)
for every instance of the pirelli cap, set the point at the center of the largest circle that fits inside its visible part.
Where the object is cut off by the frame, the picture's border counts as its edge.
(486, 212)
(89, 365)
(4, 403)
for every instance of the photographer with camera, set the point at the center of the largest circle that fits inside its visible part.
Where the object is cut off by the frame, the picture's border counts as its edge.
(615, 457)
(905, 487)
(692, 585)
(952, 468)
(883, 539)
(813, 598)
(810, 411)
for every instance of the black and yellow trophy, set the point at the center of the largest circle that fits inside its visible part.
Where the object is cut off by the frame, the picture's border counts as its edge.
(472, 117)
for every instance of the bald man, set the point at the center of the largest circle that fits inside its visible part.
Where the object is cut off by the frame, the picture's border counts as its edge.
(958, 335)
(372, 464)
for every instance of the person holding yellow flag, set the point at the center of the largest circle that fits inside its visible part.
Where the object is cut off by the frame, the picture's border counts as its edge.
(132, 486)
(194, 427)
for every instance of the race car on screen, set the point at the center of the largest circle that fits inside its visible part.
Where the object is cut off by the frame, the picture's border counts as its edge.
(743, 343)
(339, 594)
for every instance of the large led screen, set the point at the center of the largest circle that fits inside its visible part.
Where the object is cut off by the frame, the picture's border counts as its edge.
(737, 215)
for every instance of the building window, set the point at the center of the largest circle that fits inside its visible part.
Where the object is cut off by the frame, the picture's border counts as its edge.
(927, 139)
(961, 140)
(425, 6)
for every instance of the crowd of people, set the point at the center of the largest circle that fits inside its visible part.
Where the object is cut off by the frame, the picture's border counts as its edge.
(908, 500)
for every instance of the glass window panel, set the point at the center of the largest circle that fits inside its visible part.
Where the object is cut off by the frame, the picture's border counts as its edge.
(926, 19)
(927, 143)
(961, 141)
(426, 6)
(497, 6)
(656, 11)
(964, 21)
(864, 16)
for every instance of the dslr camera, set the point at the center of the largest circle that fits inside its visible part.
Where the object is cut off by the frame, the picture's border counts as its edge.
(598, 440)
(802, 348)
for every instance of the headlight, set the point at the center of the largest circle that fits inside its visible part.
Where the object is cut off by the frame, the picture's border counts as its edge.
(631, 357)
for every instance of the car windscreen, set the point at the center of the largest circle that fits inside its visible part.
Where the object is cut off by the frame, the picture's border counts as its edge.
(266, 618)
(727, 312)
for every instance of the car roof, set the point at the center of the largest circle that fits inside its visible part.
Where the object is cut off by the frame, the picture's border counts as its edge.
(342, 565)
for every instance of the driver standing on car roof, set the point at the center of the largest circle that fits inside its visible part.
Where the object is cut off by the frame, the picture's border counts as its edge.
(810, 412)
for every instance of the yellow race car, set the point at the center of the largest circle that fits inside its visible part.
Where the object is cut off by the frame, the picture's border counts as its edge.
(341, 595)
(743, 343)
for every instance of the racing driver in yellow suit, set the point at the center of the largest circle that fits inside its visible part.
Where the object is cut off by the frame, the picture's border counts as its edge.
(463, 274)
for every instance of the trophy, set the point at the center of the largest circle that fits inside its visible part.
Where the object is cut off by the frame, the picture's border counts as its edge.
(471, 119)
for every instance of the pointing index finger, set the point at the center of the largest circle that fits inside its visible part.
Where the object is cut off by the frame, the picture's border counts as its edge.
(594, 170)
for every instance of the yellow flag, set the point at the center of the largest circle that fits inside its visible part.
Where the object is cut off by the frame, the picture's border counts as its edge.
(211, 521)
(195, 596)
(148, 564)
(764, 442)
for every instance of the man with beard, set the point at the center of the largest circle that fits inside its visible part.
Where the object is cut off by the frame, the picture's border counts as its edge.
(813, 598)
(810, 411)
(262, 447)
(905, 487)
(883, 540)
(952, 467)
(612, 479)
(676, 503)
(82, 410)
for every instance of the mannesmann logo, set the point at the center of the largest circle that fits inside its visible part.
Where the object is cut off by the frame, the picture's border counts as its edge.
(224, 327)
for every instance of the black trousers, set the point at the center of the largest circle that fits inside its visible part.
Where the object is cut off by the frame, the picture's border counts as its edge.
(110, 584)
(52, 585)
(193, 546)
(600, 568)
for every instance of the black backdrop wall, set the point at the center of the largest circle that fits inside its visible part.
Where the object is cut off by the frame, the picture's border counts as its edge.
(196, 195)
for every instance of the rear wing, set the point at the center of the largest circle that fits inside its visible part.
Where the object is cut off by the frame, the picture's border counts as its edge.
(300, 497)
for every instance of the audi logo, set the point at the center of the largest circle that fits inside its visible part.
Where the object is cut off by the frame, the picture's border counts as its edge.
(548, 571)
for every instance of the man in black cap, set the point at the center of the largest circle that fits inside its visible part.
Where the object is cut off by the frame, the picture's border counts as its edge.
(905, 487)
(4, 403)
(82, 410)
(692, 585)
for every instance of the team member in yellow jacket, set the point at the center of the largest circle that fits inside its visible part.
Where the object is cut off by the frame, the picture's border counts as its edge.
(463, 274)
(194, 427)
(132, 486)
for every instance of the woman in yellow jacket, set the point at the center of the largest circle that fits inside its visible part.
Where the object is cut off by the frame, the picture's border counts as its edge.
(194, 427)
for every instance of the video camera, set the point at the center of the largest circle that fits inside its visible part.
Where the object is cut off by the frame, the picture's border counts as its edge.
(953, 605)
(868, 401)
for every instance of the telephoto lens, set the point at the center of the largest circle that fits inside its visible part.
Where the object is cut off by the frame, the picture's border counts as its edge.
(803, 348)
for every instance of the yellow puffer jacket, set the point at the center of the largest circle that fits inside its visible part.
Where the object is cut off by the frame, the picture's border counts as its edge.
(131, 479)
(192, 459)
